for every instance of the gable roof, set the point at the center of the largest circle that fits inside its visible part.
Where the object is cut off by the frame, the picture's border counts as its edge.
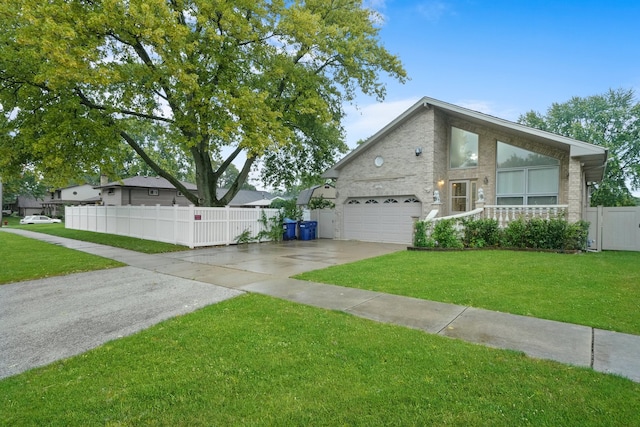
(243, 198)
(146, 182)
(593, 157)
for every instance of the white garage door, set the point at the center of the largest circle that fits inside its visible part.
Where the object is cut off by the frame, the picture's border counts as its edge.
(381, 219)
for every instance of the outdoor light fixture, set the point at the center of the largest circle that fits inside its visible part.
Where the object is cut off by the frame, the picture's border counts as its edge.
(486, 180)
(418, 151)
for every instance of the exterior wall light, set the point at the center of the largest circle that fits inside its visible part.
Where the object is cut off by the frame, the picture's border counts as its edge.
(418, 151)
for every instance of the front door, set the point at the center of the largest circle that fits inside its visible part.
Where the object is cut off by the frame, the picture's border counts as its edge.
(463, 196)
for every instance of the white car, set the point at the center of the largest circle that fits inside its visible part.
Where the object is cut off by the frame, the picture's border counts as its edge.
(38, 219)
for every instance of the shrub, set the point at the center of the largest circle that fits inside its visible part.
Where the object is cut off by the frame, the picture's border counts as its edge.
(514, 235)
(273, 227)
(536, 234)
(479, 233)
(445, 234)
(576, 235)
(420, 234)
(320, 203)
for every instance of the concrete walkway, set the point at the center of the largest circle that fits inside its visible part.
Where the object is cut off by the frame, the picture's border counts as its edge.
(266, 268)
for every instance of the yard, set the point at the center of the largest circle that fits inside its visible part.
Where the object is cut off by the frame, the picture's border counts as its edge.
(601, 290)
(262, 361)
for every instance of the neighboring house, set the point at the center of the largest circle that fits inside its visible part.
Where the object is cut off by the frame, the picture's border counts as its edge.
(28, 205)
(151, 191)
(326, 191)
(438, 156)
(143, 190)
(84, 194)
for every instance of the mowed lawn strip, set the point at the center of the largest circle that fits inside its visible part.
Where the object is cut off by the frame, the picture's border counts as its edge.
(255, 360)
(601, 290)
(22, 259)
(124, 242)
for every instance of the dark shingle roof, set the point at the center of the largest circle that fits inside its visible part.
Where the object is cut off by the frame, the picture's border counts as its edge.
(146, 182)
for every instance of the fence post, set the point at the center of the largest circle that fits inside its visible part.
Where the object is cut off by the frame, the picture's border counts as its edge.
(175, 224)
(227, 214)
(192, 225)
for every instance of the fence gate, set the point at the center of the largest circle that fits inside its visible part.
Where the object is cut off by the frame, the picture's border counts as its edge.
(326, 222)
(616, 229)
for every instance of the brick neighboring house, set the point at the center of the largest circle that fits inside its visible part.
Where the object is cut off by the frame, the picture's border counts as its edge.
(151, 191)
(441, 156)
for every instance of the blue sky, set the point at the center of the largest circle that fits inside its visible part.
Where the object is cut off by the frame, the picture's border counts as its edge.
(502, 58)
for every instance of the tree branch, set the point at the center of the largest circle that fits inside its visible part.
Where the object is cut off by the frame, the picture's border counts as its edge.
(157, 169)
(84, 100)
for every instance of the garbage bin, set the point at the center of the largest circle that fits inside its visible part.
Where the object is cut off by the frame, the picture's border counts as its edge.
(289, 229)
(308, 230)
(305, 230)
(314, 229)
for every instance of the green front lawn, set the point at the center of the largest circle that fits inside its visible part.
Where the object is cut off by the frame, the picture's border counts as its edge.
(601, 290)
(24, 259)
(124, 242)
(254, 360)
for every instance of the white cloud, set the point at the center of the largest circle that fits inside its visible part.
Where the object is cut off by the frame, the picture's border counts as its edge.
(363, 122)
(434, 10)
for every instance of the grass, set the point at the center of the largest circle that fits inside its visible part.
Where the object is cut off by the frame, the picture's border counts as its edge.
(601, 290)
(254, 360)
(26, 259)
(124, 242)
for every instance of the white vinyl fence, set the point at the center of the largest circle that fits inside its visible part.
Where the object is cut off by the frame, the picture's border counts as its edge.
(190, 226)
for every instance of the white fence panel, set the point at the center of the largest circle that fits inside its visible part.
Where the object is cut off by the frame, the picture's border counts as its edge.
(190, 226)
(614, 228)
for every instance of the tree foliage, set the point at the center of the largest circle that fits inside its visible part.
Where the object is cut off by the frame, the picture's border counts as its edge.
(83, 83)
(611, 120)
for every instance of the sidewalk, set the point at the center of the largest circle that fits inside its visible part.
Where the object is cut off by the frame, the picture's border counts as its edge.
(265, 269)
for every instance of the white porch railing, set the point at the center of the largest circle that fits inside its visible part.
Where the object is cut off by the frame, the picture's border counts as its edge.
(504, 214)
(474, 214)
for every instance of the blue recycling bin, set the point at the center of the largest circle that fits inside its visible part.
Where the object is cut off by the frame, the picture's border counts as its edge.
(308, 230)
(289, 229)
(314, 229)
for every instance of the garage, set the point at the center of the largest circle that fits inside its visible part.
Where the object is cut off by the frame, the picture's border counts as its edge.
(381, 219)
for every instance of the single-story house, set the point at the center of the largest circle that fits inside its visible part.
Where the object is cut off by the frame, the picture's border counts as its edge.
(326, 191)
(439, 156)
(151, 191)
(28, 205)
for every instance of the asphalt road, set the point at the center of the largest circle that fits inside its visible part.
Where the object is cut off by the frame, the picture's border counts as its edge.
(42, 321)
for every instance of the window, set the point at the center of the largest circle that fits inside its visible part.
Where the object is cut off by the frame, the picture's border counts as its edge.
(111, 191)
(463, 151)
(153, 192)
(526, 178)
(180, 194)
(370, 202)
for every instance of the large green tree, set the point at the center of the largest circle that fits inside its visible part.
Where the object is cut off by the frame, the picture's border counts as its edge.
(258, 81)
(611, 120)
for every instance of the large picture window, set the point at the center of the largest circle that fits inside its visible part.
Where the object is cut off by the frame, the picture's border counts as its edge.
(525, 177)
(463, 151)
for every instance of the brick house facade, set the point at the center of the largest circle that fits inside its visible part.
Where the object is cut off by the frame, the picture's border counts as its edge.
(395, 176)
